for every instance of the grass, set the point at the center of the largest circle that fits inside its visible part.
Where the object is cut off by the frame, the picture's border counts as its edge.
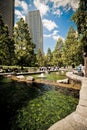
(53, 76)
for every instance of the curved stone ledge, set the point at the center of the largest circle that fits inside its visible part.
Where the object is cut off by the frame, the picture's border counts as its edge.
(78, 119)
(74, 76)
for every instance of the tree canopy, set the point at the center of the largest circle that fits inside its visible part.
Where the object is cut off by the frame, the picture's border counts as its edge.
(40, 58)
(57, 53)
(49, 57)
(80, 18)
(6, 45)
(24, 47)
(71, 49)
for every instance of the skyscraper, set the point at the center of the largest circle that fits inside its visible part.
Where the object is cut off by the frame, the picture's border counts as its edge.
(36, 28)
(7, 13)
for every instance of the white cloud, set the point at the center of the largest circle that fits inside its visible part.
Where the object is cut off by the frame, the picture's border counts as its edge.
(55, 32)
(63, 3)
(50, 25)
(19, 14)
(74, 4)
(42, 7)
(54, 35)
(24, 6)
(57, 12)
(47, 35)
(24, 9)
(58, 3)
(17, 3)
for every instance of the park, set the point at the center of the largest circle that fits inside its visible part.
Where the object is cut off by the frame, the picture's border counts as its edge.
(41, 91)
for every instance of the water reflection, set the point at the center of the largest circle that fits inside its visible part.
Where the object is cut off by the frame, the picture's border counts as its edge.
(15, 96)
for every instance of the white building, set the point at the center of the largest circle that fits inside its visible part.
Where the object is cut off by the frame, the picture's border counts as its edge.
(34, 22)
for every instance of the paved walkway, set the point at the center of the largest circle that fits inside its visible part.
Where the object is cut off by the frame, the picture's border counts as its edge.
(78, 119)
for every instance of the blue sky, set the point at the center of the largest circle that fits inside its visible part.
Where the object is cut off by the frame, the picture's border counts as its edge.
(55, 16)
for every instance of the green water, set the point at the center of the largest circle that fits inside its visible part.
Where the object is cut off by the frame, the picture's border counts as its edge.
(32, 106)
(52, 76)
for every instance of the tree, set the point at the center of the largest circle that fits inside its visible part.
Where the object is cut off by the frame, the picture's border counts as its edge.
(24, 48)
(6, 45)
(80, 18)
(57, 53)
(49, 57)
(40, 58)
(71, 49)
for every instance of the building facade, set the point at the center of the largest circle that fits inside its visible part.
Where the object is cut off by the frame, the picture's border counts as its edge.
(7, 13)
(34, 22)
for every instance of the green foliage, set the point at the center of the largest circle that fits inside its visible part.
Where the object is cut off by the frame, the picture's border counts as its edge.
(24, 48)
(6, 45)
(72, 49)
(57, 53)
(40, 58)
(49, 57)
(80, 18)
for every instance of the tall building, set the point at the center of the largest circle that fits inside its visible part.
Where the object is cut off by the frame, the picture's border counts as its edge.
(7, 12)
(34, 22)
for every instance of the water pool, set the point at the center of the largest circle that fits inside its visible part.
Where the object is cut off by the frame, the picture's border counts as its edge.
(34, 106)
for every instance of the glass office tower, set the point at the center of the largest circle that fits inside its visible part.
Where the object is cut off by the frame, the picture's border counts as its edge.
(34, 22)
(7, 12)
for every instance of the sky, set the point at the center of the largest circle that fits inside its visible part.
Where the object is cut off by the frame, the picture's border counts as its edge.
(55, 15)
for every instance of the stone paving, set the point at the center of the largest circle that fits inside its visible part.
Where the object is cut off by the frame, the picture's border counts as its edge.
(78, 119)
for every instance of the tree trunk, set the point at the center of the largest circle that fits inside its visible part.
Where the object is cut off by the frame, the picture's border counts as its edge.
(85, 63)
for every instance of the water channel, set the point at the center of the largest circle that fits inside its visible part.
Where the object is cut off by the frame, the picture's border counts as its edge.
(36, 106)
